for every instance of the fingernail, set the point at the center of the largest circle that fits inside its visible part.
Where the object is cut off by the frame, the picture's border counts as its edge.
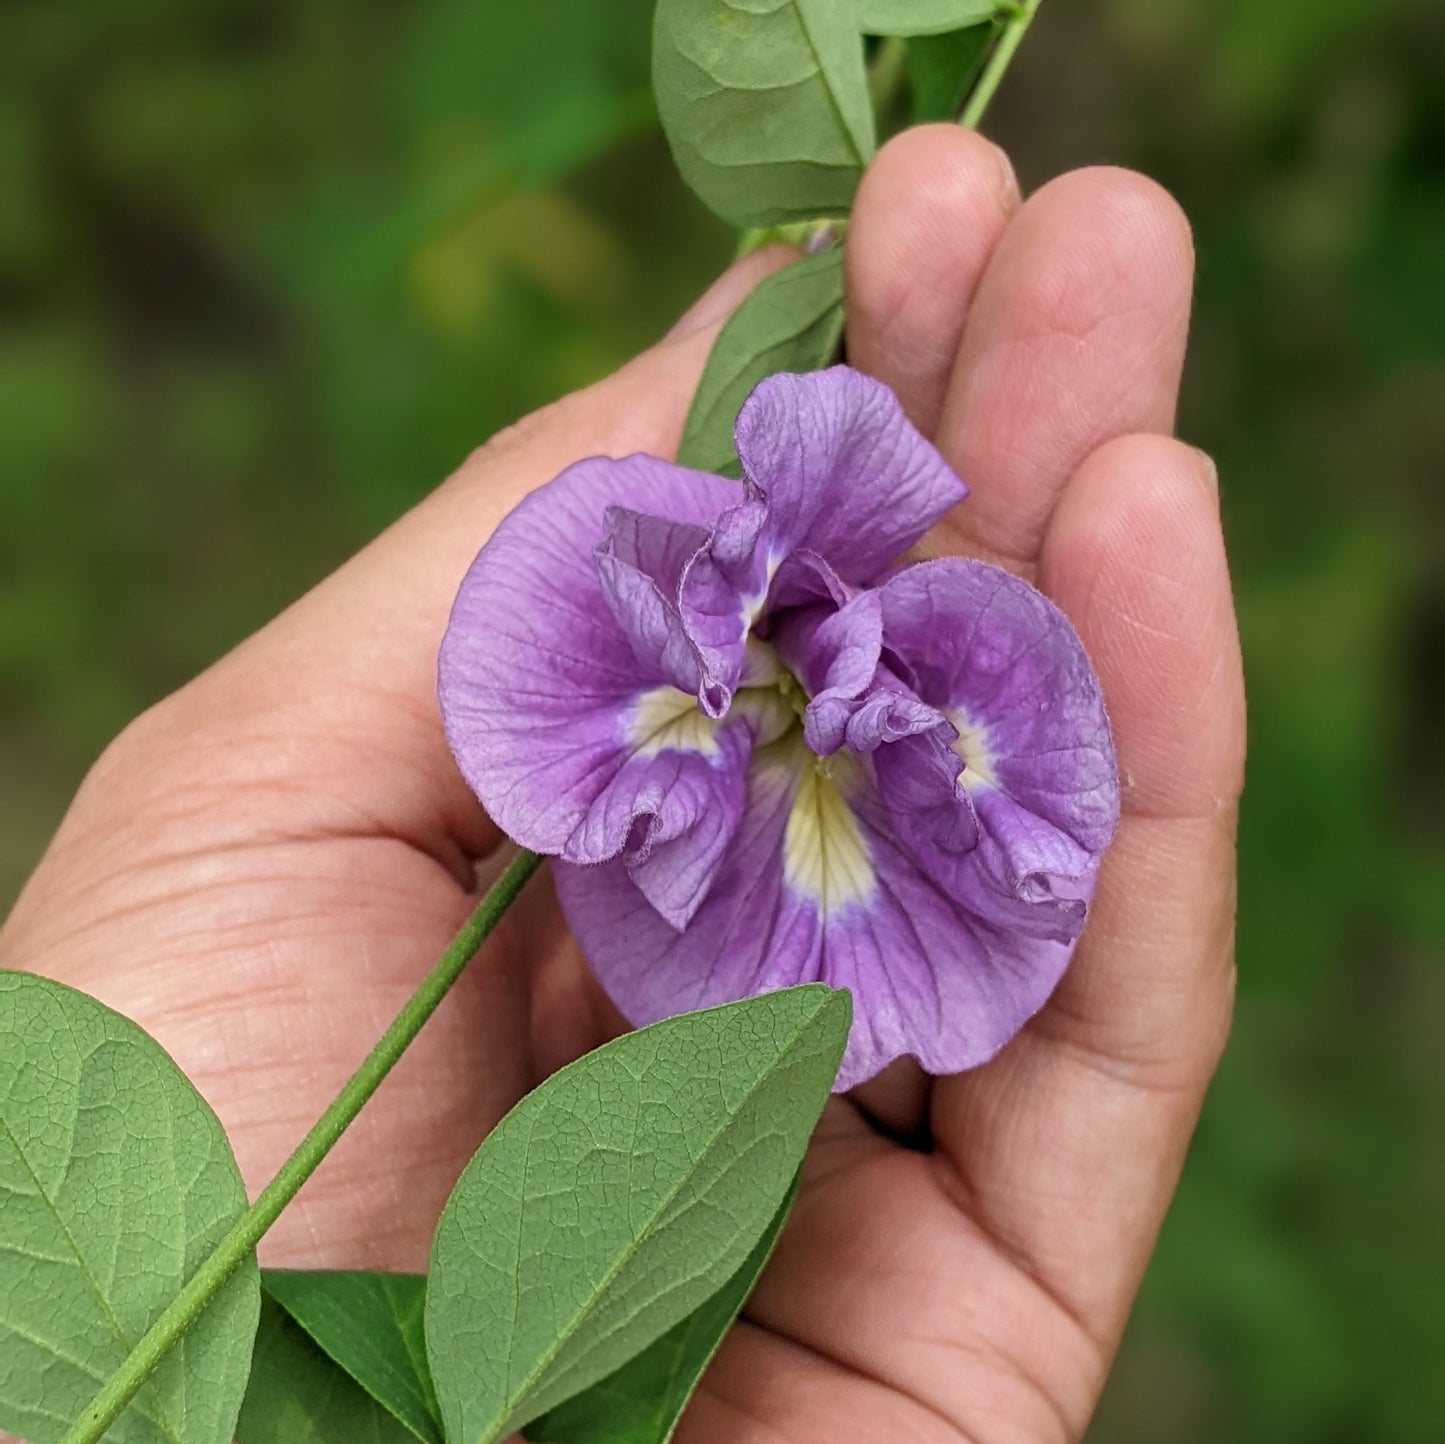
(1008, 181)
(1208, 471)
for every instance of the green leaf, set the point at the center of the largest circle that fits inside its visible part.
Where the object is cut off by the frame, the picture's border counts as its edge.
(765, 105)
(765, 102)
(792, 320)
(642, 1402)
(298, 1396)
(920, 17)
(943, 69)
(117, 1182)
(371, 1325)
(618, 1197)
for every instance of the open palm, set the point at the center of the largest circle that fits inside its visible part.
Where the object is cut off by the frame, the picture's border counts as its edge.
(260, 869)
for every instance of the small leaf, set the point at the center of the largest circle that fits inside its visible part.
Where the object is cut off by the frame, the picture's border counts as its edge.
(371, 1325)
(117, 1182)
(298, 1396)
(920, 17)
(765, 105)
(943, 69)
(792, 320)
(765, 102)
(618, 1197)
(642, 1402)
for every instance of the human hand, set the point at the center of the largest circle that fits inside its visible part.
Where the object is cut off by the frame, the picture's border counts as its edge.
(259, 869)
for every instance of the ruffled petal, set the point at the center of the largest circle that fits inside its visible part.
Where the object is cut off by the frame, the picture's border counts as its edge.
(1008, 670)
(990, 860)
(640, 562)
(676, 812)
(834, 654)
(887, 712)
(842, 469)
(814, 887)
(1010, 806)
(855, 700)
(838, 481)
(563, 726)
(723, 589)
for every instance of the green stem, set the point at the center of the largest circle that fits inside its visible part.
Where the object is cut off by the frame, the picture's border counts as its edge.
(819, 235)
(887, 75)
(246, 1232)
(998, 62)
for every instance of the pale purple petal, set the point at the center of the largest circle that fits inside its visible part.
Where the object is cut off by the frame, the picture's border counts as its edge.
(1004, 665)
(1012, 804)
(639, 563)
(680, 810)
(834, 469)
(942, 980)
(887, 712)
(855, 700)
(844, 472)
(539, 685)
(722, 591)
(834, 654)
(804, 578)
(929, 978)
(950, 840)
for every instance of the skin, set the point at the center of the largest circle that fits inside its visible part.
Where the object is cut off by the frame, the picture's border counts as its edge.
(260, 868)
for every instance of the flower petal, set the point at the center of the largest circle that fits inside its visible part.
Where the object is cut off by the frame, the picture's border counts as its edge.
(995, 863)
(855, 700)
(886, 713)
(834, 653)
(838, 482)
(640, 563)
(550, 710)
(1002, 663)
(722, 591)
(813, 887)
(844, 472)
(680, 809)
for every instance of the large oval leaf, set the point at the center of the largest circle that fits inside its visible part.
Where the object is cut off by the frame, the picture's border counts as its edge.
(791, 320)
(765, 105)
(117, 1181)
(617, 1198)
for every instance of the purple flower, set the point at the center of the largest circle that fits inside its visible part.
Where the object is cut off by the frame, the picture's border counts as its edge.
(762, 755)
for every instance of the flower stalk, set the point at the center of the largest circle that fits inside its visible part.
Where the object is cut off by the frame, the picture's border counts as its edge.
(247, 1231)
(1018, 18)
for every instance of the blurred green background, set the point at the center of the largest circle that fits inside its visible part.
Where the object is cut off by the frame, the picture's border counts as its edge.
(268, 270)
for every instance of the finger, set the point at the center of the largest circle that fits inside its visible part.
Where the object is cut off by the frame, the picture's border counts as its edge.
(1068, 1146)
(348, 674)
(930, 210)
(1076, 336)
(880, 1272)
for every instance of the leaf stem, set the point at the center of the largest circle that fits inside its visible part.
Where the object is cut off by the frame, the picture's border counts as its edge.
(246, 1232)
(1019, 16)
(887, 75)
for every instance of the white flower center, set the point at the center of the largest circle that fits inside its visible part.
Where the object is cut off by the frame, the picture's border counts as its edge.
(972, 748)
(669, 719)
